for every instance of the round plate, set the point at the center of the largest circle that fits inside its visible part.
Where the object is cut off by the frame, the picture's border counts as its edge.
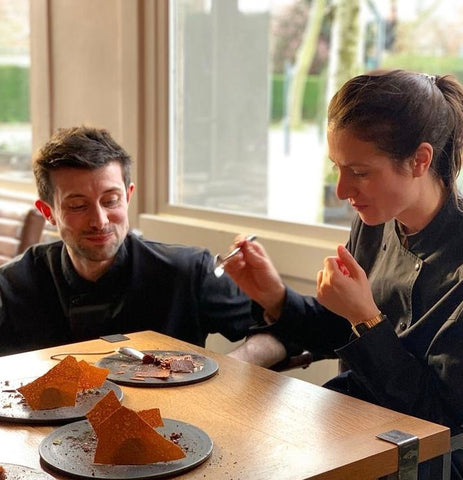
(20, 472)
(70, 450)
(122, 369)
(13, 407)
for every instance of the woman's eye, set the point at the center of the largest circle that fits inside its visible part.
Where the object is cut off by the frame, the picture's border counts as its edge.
(359, 174)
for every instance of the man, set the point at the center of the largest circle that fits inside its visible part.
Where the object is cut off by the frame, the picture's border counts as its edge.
(100, 279)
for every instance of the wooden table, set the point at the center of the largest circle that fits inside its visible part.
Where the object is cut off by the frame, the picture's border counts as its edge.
(264, 425)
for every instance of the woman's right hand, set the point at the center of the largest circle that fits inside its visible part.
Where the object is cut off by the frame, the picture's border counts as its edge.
(343, 288)
(253, 271)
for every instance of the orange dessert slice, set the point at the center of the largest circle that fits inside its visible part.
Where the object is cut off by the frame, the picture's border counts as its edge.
(127, 437)
(152, 417)
(91, 376)
(59, 386)
(103, 409)
(124, 438)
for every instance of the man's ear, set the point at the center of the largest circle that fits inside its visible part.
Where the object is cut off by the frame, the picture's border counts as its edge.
(422, 159)
(130, 191)
(45, 210)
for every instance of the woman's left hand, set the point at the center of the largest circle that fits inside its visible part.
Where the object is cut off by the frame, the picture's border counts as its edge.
(343, 288)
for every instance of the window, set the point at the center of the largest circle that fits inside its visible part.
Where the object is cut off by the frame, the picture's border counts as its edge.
(232, 149)
(15, 128)
(239, 142)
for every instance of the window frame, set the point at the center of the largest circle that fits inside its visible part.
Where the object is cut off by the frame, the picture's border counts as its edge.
(297, 250)
(143, 128)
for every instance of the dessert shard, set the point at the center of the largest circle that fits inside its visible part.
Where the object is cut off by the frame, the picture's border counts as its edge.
(59, 386)
(127, 437)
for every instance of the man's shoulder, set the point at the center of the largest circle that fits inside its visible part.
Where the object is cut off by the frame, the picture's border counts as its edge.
(152, 259)
(35, 256)
(166, 251)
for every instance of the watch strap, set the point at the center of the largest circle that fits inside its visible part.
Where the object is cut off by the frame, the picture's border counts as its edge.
(362, 327)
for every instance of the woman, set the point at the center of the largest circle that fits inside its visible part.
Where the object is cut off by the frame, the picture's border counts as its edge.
(389, 305)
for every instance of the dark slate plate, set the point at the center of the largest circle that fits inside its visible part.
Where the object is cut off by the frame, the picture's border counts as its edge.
(122, 369)
(70, 450)
(13, 408)
(21, 472)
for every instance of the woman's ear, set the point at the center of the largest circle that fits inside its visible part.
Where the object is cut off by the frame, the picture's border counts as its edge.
(45, 210)
(422, 159)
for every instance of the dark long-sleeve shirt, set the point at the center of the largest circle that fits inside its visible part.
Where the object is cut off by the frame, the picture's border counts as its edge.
(150, 286)
(412, 363)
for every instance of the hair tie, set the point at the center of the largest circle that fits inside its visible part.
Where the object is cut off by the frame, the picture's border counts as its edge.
(431, 78)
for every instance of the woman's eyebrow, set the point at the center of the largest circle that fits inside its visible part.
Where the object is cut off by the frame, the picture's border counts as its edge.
(348, 164)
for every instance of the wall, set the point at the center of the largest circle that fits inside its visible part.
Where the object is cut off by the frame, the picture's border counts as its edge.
(84, 68)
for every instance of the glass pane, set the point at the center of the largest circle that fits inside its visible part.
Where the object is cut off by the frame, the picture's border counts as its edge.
(240, 143)
(15, 127)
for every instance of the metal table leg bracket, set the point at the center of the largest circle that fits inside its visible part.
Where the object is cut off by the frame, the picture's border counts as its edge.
(408, 446)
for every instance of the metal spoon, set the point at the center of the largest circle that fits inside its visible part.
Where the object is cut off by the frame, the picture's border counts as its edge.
(219, 260)
(134, 353)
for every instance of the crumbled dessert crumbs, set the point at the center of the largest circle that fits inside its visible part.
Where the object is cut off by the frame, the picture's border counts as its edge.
(174, 437)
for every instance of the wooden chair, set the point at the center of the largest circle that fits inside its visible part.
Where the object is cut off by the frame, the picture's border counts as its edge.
(21, 226)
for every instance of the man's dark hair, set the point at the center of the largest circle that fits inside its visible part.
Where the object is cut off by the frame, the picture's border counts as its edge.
(77, 147)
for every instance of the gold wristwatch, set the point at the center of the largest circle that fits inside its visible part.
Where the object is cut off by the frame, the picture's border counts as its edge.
(361, 328)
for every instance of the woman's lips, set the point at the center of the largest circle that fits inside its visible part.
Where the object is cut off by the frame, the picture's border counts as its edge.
(359, 207)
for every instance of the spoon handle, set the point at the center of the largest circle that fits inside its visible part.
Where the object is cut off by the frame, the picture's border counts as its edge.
(219, 260)
(249, 238)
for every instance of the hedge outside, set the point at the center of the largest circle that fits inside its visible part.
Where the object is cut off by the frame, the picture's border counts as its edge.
(14, 86)
(14, 94)
(431, 65)
(313, 89)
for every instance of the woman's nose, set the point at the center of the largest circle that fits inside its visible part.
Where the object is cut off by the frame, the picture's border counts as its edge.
(344, 189)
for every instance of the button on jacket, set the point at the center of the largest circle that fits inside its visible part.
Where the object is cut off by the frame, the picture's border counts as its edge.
(150, 286)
